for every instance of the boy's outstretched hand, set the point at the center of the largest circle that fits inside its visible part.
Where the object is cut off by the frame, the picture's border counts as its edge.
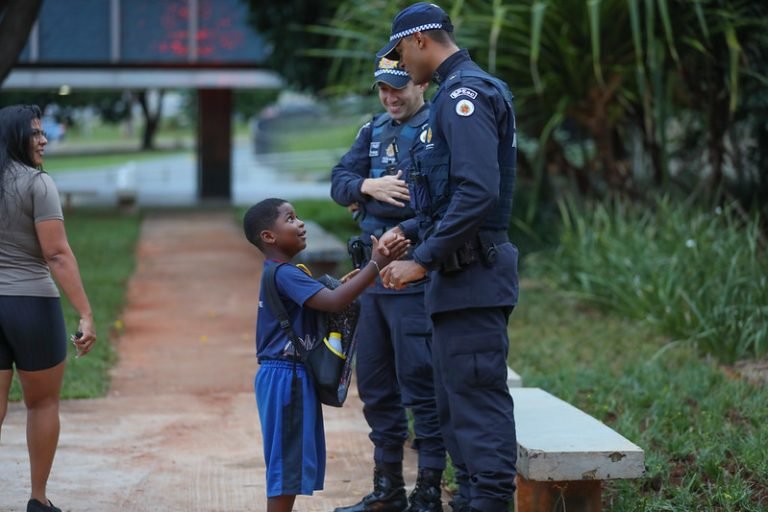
(388, 249)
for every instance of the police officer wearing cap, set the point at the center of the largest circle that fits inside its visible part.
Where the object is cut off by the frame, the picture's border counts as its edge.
(462, 191)
(394, 362)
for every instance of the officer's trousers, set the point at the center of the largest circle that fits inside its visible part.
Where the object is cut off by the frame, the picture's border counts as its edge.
(470, 350)
(394, 372)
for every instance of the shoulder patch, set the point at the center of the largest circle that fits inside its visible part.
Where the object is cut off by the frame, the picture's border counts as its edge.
(464, 91)
(465, 108)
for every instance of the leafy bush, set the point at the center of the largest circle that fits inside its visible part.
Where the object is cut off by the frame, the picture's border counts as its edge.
(699, 276)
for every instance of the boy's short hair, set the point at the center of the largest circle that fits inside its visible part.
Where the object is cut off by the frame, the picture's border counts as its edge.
(259, 217)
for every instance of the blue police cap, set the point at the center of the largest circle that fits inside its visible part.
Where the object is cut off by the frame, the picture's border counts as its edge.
(419, 17)
(389, 72)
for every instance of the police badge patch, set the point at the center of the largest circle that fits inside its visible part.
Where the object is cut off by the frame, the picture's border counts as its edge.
(465, 108)
(426, 135)
(373, 149)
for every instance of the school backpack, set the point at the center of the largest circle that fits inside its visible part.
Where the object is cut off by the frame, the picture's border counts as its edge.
(330, 370)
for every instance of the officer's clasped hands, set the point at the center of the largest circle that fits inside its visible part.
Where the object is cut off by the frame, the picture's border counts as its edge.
(391, 189)
(399, 273)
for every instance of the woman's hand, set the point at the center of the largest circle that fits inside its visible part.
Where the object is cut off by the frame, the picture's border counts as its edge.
(87, 338)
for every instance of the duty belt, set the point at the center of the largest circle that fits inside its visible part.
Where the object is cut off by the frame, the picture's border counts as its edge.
(480, 248)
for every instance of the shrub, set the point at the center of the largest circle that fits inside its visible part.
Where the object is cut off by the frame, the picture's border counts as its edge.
(699, 276)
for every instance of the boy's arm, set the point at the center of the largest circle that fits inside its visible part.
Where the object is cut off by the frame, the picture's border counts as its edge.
(339, 298)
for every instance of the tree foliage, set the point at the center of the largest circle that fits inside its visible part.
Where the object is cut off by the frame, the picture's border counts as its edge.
(282, 25)
(613, 96)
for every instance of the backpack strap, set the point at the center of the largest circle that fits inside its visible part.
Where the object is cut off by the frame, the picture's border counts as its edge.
(275, 304)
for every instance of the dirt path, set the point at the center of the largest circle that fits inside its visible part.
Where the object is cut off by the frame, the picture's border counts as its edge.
(179, 429)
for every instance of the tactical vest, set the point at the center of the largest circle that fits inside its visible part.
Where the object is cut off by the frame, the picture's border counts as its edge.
(434, 170)
(389, 152)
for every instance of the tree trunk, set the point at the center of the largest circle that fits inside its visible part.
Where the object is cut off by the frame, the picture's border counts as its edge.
(151, 119)
(18, 18)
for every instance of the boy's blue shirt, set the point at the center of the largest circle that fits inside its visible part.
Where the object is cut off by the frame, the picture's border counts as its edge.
(295, 287)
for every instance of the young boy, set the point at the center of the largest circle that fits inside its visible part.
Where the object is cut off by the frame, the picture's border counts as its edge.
(291, 419)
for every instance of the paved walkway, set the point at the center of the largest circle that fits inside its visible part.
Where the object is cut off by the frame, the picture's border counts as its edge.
(179, 428)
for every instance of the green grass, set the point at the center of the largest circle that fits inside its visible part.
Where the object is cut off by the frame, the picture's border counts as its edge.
(704, 429)
(299, 135)
(76, 162)
(103, 133)
(100, 132)
(107, 145)
(104, 244)
(110, 133)
(704, 432)
(308, 137)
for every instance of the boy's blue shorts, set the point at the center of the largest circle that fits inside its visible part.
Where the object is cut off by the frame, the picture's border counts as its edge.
(292, 428)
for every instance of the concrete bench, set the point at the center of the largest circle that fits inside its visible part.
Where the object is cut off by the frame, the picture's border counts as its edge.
(513, 379)
(563, 455)
(69, 196)
(110, 187)
(324, 251)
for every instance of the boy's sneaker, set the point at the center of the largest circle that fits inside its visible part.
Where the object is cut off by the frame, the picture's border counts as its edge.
(36, 506)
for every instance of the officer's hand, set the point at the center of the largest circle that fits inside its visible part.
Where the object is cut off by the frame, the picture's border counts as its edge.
(353, 208)
(387, 189)
(399, 273)
(390, 235)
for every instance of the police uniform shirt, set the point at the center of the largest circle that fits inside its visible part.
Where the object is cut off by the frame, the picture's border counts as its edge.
(355, 166)
(367, 158)
(469, 140)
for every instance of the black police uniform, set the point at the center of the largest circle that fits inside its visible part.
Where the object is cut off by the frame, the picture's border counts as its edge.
(394, 368)
(462, 191)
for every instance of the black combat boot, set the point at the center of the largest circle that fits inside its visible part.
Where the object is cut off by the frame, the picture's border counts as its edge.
(425, 497)
(388, 492)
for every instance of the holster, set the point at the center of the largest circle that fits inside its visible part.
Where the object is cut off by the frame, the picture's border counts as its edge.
(488, 240)
(482, 248)
(359, 251)
(359, 247)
